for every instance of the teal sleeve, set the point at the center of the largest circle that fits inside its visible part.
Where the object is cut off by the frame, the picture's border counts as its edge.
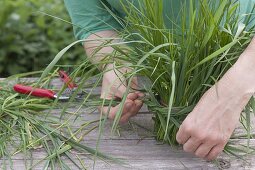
(246, 7)
(90, 16)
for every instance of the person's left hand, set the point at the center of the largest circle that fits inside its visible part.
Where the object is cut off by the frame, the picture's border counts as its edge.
(207, 129)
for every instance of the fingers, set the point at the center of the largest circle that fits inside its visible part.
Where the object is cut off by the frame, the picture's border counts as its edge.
(109, 111)
(132, 96)
(206, 150)
(131, 107)
(126, 113)
(130, 110)
(114, 85)
(138, 105)
(191, 145)
(204, 145)
(140, 94)
(134, 83)
(182, 135)
(215, 151)
(203, 150)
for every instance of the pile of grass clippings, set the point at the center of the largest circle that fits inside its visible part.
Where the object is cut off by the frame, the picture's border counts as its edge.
(28, 123)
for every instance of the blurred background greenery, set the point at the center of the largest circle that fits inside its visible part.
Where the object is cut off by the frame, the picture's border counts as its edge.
(29, 40)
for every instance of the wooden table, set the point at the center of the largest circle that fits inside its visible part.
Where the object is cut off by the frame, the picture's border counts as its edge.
(136, 145)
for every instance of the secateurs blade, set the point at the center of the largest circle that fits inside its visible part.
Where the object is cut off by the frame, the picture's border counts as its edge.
(72, 87)
(67, 80)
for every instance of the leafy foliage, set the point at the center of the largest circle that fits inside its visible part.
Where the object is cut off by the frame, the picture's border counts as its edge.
(183, 62)
(29, 40)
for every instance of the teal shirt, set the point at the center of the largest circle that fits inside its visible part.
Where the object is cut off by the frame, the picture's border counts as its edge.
(90, 16)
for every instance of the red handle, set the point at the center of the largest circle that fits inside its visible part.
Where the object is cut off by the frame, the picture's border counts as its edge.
(34, 91)
(65, 78)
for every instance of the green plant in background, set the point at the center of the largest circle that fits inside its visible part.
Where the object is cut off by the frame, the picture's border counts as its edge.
(29, 40)
(181, 63)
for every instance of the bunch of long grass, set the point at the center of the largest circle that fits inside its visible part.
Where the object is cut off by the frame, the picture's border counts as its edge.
(181, 63)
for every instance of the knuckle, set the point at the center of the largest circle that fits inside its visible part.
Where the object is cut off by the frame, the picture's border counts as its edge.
(222, 141)
(211, 156)
(214, 154)
(186, 149)
(200, 136)
(213, 138)
(111, 116)
(200, 154)
(139, 104)
(178, 139)
(187, 128)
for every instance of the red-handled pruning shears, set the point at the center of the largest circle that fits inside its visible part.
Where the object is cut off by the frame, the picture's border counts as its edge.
(46, 93)
(38, 92)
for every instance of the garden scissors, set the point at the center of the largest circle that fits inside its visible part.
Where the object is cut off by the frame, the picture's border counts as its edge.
(46, 93)
(67, 80)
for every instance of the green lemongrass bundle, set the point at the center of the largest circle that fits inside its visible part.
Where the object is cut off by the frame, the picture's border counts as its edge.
(182, 63)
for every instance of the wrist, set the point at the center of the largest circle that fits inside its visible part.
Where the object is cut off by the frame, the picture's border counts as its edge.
(245, 70)
(241, 76)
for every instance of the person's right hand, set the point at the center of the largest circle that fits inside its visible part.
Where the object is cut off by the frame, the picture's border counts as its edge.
(114, 87)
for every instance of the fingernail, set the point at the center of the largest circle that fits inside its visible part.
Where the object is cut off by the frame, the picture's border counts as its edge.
(140, 94)
(138, 102)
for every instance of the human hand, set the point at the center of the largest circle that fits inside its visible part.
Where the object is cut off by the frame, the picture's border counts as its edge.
(114, 87)
(207, 129)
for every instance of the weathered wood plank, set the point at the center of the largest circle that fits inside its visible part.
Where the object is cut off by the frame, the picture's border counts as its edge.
(140, 126)
(146, 154)
(135, 145)
(140, 154)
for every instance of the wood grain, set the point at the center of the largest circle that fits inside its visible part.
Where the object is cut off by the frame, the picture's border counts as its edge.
(135, 145)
